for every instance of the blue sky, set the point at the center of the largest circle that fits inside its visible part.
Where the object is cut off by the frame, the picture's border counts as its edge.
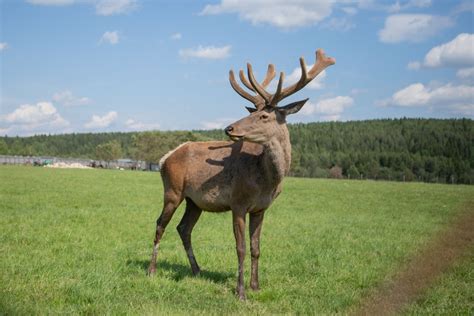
(125, 65)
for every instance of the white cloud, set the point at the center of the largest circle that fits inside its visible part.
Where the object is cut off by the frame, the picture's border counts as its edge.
(66, 98)
(412, 27)
(413, 95)
(131, 124)
(101, 121)
(176, 36)
(458, 99)
(458, 52)
(102, 7)
(112, 7)
(329, 109)
(217, 124)
(41, 117)
(30, 114)
(206, 52)
(3, 46)
(110, 37)
(465, 73)
(287, 14)
(397, 6)
(279, 13)
(51, 2)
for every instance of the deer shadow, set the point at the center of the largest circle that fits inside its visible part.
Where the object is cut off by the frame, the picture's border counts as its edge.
(180, 271)
(240, 162)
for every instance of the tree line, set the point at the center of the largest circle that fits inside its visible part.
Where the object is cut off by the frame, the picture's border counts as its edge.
(429, 150)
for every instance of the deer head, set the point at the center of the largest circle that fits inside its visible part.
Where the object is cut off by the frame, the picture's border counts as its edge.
(267, 118)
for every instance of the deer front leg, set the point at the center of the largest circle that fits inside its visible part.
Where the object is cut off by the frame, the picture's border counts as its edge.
(238, 219)
(256, 220)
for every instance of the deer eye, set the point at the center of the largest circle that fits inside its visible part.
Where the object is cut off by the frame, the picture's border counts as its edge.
(263, 116)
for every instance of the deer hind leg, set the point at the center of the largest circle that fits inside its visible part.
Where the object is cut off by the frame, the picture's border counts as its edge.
(185, 228)
(171, 203)
(256, 220)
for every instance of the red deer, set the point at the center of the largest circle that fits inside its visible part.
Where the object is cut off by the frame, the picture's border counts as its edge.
(243, 176)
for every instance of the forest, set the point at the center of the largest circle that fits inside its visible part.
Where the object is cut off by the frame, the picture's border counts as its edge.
(428, 150)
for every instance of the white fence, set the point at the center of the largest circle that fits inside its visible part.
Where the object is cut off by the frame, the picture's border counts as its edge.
(47, 160)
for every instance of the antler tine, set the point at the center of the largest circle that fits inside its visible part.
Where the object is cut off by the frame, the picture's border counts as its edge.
(245, 81)
(239, 90)
(270, 75)
(257, 100)
(322, 62)
(278, 90)
(268, 78)
(304, 74)
(257, 87)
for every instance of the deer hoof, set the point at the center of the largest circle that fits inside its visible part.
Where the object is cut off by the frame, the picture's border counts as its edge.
(241, 294)
(254, 287)
(151, 271)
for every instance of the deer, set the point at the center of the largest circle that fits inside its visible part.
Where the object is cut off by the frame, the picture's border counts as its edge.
(243, 175)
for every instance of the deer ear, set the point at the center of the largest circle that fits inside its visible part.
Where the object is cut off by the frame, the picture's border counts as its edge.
(292, 107)
(251, 110)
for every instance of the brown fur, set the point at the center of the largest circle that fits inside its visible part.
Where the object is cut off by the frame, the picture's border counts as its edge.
(222, 175)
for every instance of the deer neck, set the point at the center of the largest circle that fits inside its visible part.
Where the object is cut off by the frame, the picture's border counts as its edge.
(277, 156)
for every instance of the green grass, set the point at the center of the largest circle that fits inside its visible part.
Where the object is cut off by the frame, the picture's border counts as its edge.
(452, 293)
(79, 241)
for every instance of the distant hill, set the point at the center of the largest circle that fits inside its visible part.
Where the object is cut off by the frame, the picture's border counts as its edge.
(428, 150)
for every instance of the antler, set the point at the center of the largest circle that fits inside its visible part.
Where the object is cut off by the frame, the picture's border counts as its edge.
(263, 98)
(257, 100)
(322, 62)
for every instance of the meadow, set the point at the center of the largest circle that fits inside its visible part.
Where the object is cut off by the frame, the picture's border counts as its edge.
(79, 241)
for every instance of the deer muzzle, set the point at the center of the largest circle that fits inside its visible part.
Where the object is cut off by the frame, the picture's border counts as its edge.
(229, 130)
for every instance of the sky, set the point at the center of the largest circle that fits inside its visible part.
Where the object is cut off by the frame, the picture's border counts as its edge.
(76, 66)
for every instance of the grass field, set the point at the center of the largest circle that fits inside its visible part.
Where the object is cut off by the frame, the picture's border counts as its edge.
(79, 241)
